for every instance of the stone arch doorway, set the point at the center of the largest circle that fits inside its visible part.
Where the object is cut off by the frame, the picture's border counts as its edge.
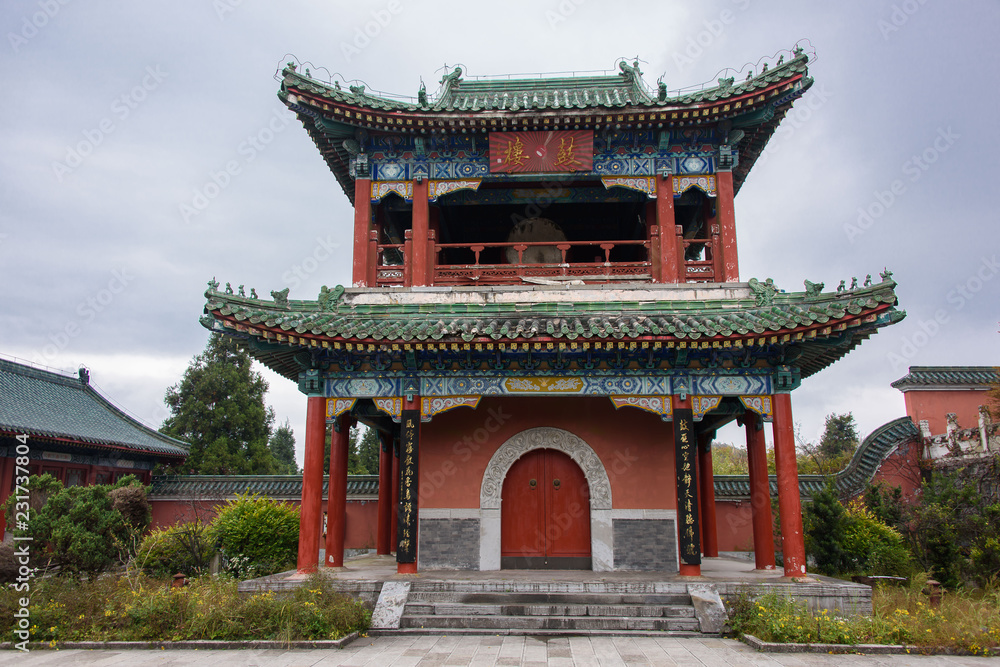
(545, 514)
(599, 487)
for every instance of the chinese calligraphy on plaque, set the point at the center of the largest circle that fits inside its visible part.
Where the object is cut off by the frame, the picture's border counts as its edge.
(541, 151)
(685, 451)
(406, 550)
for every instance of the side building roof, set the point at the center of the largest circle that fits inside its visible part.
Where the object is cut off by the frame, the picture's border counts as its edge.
(213, 487)
(948, 377)
(45, 404)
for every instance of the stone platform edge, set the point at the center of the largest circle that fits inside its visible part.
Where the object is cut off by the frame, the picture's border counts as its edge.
(879, 649)
(203, 644)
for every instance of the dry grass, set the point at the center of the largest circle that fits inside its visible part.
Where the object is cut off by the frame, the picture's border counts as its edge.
(964, 622)
(139, 608)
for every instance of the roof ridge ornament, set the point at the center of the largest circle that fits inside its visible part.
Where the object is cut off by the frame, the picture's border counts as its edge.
(328, 298)
(763, 292)
(454, 78)
(814, 289)
(280, 298)
(632, 73)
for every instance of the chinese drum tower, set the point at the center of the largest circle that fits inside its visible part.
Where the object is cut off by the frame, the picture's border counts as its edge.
(546, 322)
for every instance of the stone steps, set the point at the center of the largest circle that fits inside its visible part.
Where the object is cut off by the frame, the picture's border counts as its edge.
(549, 608)
(452, 609)
(563, 623)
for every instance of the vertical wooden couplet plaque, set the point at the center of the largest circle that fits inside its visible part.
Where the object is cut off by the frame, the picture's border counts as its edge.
(685, 453)
(406, 550)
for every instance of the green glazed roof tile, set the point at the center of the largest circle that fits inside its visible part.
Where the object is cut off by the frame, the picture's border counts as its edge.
(225, 486)
(850, 481)
(927, 376)
(47, 404)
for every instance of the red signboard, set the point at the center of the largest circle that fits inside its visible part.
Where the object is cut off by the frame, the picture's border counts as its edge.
(530, 152)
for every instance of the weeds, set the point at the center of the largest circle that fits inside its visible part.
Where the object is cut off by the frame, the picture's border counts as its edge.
(111, 608)
(965, 622)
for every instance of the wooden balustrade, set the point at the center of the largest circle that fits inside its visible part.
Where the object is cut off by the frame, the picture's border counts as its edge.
(391, 266)
(633, 262)
(701, 270)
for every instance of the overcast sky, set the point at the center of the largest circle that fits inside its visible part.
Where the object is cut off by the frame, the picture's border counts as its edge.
(116, 115)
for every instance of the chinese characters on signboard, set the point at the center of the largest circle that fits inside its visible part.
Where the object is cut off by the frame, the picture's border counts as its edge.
(532, 152)
(685, 451)
(406, 550)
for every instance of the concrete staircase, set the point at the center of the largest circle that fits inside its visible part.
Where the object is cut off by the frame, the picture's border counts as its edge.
(498, 607)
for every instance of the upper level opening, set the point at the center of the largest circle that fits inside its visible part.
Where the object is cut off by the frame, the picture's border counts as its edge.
(542, 231)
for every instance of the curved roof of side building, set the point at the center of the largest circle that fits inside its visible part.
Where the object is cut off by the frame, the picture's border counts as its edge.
(44, 404)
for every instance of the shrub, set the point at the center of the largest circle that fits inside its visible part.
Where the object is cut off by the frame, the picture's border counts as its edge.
(871, 547)
(886, 503)
(8, 563)
(79, 528)
(131, 502)
(955, 534)
(186, 548)
(257, 535)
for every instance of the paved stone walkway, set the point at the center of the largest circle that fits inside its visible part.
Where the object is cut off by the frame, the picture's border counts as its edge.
(484, 650)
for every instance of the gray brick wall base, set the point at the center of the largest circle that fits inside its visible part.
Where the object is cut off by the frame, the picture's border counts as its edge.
(645, 544)
(449, 544)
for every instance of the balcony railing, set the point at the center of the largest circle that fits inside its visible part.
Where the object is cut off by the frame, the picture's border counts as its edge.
(392, 264)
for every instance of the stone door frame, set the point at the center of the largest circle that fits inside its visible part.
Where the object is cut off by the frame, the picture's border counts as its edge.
(546, 437)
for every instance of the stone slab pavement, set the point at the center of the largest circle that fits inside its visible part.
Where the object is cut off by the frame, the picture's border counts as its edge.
(479, 650)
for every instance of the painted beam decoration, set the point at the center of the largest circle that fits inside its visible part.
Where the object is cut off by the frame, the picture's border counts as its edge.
(338, 406)
(762, 405)
(540, 151)
(658, 405)
(685, 451)
(406, 549)
(702, 405)
(593, 383)
(438, 404)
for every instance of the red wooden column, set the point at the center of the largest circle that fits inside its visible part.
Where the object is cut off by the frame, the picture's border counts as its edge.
(653, 236)
(336, 495)
(434, 224)
(726, 215)
(670, 271)
(311, 511)
(760, 493)
(793, 546)
(384, 534)
(421, 231)
(362, 227)
(706, 488)
(393, 539)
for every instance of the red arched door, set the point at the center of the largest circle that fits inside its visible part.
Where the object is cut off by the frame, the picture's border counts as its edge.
(545, 514)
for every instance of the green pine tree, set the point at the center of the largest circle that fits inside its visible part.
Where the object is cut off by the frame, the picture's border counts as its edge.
(282, 446)
(218, 407)
(368, 452)
(352, 451)
(840, 437)
(826, 526)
